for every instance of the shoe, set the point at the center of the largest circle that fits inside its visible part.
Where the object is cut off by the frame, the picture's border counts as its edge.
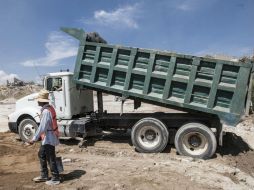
(52, 182)
(40, 179)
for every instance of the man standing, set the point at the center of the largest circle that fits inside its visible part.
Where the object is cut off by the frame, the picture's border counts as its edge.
(48, 134)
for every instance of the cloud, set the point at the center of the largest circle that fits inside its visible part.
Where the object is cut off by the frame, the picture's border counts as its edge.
(189, 5)
(4, 77)
(123, 17)
(58, 47)
(233, 51)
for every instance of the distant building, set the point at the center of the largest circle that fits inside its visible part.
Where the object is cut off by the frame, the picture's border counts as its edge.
(16, 82)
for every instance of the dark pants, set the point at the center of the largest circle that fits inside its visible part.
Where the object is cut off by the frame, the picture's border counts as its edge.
(47, 154)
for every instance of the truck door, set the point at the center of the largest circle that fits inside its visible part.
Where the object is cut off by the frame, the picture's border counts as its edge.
(55, 87)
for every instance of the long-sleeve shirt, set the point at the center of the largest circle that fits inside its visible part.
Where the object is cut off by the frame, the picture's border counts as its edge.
(46, 127)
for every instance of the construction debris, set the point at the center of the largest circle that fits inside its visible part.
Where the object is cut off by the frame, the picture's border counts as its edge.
(18, 91)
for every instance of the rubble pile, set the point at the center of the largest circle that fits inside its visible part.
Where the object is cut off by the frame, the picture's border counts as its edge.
(18, 92)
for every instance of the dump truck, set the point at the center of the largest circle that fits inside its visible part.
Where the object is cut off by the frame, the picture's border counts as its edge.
(212, 93)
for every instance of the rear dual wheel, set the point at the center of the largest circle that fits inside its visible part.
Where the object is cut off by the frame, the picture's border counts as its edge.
(150, 135)
(195, 140)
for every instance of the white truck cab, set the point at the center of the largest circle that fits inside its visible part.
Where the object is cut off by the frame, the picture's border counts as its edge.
(68, 101)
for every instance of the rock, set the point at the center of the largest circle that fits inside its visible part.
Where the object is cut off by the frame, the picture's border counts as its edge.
(187, 159)
(241, 177)
(243, 180)
(76, 160)
(237, 171)
(117, 185)
(66, 160)
(147, 168)
(71, 150)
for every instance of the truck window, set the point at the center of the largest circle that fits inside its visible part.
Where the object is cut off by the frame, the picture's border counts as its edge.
(54, 84)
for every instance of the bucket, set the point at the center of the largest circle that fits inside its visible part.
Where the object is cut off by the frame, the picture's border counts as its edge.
(59, 164)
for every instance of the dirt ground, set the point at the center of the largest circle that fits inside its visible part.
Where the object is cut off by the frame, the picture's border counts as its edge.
(110, 162)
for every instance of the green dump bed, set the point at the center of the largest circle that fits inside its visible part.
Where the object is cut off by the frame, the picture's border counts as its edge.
(180, 81)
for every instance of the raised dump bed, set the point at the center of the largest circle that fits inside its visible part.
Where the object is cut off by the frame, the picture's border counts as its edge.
(168, 79)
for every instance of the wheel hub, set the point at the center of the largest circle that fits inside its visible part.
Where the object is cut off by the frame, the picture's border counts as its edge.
(28, 132)
(195, 141)
(150, 135)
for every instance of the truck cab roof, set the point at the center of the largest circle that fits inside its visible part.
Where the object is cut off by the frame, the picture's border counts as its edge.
(57, 74)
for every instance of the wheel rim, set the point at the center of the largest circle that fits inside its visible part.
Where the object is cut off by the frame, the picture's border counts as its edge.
(195, 143)
(149, 137)
(28, 131)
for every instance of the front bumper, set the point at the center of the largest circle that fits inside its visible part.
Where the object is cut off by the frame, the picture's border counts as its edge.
(13, 127)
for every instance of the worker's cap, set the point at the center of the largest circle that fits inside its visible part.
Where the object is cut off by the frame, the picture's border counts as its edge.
(43, 96)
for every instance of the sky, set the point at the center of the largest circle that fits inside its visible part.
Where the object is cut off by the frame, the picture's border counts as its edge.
(32, 45)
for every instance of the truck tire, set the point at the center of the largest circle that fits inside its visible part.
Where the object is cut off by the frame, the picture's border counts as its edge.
(27, 128)
(195, 140)
(149, 135)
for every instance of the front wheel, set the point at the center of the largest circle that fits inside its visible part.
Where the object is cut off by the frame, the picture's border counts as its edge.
(149, 135)
(27, 129)
(195, 140)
